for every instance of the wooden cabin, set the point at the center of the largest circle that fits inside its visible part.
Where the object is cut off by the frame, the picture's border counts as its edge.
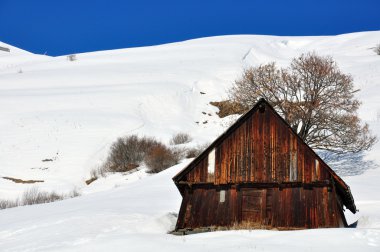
(261, 174)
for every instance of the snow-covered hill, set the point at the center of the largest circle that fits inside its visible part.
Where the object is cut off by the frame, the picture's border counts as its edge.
(71, 111)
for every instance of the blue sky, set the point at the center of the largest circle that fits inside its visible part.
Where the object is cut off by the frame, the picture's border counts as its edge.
(73, 26)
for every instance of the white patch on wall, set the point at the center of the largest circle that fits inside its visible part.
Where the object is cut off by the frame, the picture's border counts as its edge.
(211, 162)
(222, 196)
(316, 169)
(299, 127)
(293, 162)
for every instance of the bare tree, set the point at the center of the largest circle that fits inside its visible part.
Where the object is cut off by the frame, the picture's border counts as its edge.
(314, 97)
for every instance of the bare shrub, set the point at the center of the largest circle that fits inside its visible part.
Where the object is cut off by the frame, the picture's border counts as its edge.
(180, 138)
(377, 49)
(192, 152)
(179, 152)
(196, 151)
(34, 196)
(74, 193)
(314, 97)
(96, 173)
(101, 171)
(128, 152)
(160, 158)
(8, 203)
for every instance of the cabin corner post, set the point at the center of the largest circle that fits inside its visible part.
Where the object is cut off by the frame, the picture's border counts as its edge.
(182, 211)
(341, 218)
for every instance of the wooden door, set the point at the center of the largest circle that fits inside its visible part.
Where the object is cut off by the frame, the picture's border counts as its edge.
(251, 206)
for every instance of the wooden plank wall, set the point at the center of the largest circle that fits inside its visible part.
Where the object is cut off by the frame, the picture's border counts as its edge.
(289, 208)
(262, 149)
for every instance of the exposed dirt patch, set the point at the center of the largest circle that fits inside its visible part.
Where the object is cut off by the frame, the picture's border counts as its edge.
(89, 181)
(21, 181)
(40, 168)
(228, 107)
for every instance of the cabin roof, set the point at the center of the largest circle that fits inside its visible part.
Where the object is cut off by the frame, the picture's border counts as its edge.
(342, 188)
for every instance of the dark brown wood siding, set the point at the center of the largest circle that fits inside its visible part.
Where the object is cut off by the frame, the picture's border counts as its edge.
(262, 149)
(288, 208)
(269, 178)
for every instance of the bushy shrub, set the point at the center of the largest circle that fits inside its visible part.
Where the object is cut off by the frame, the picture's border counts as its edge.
(128, 152)
(180, 138)
(160, 158)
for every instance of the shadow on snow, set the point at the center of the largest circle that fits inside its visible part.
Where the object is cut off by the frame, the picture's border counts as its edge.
(347, 164)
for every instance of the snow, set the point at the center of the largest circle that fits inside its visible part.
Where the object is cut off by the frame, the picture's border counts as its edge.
(137, 217)
(72, 111)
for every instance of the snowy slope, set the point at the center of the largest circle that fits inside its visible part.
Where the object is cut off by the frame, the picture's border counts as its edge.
(136, 217)
(14, 60)
(71, 111)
